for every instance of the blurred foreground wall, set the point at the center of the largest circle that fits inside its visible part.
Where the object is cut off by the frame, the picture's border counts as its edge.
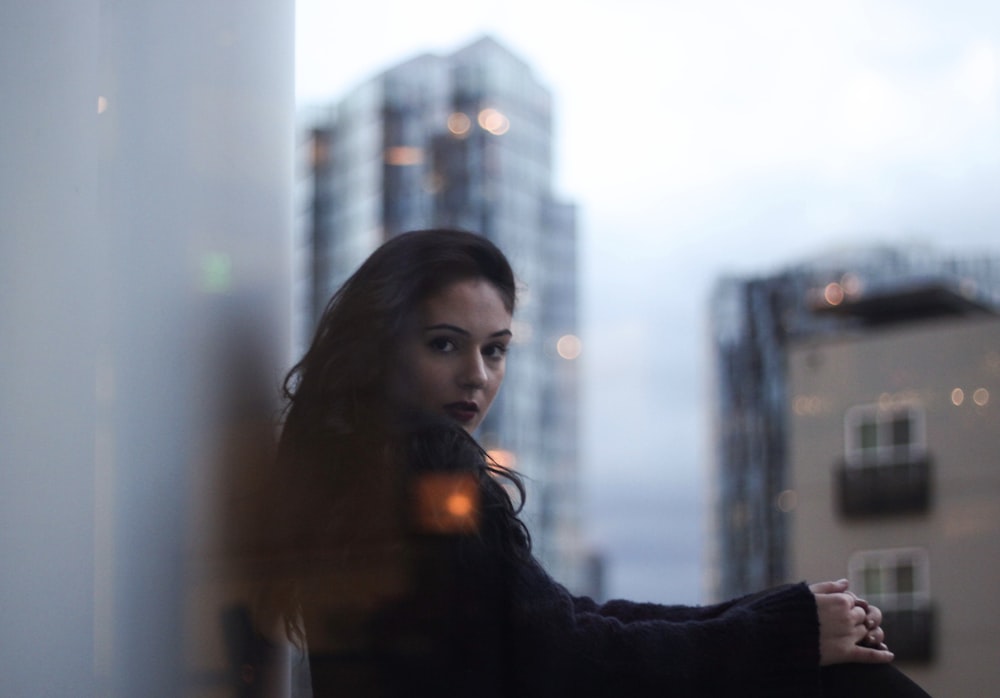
(145, 215)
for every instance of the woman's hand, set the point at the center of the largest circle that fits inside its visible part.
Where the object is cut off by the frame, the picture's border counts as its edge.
(849, 627)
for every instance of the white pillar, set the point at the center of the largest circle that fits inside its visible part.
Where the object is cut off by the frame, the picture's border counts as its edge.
(145, 217)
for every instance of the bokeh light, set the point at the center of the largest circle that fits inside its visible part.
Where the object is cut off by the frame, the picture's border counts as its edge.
(459, 124)
(569, 346)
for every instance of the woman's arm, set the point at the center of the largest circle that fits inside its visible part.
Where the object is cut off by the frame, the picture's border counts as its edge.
(632, 611)
(766, 645)
(850, 628)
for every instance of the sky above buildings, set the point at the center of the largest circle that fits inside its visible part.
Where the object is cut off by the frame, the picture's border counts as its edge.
(701, 139)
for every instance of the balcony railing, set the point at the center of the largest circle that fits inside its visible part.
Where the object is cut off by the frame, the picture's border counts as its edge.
(884, 489)
(910, 633)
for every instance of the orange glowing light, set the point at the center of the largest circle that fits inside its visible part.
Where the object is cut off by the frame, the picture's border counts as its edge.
(504, 458)
(446, 503)
(957, 396)
(851, 284)
(493, 121)
(459, 124)
(833, 293)
(459, 504)
(404, 155)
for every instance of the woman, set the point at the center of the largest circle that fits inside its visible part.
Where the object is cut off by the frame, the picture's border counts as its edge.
(413, 574)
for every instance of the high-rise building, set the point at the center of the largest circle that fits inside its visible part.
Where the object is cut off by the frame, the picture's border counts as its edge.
(755, 322)
(465, 141)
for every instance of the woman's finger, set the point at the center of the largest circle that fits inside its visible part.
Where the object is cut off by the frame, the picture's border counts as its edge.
(828, 587)
(870, 655)
(858, 616)
(874, 637)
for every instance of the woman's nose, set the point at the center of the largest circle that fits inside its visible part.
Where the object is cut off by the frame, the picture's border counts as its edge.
(474, 372)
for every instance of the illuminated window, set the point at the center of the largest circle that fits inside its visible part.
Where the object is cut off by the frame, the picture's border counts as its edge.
(404, 155)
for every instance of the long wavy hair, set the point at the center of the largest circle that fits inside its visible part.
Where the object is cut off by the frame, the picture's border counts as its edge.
(341, 382)
(343, 434)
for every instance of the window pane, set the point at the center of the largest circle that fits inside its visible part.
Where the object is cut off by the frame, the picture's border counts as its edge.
(868, 433)
(872, 580)
(905, 578)
(901, 431)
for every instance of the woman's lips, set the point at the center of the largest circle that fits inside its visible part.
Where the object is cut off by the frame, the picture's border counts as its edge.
(463, 412)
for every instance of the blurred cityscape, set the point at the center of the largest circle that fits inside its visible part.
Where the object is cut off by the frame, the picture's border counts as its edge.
(438, 140)
(165, 251)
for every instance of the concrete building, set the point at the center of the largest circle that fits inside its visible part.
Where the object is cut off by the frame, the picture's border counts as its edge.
(754, 323)
(893, 481)
(465, 141)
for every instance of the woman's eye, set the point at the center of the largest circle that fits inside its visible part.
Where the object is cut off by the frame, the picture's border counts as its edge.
(442, 344)
(495, 351)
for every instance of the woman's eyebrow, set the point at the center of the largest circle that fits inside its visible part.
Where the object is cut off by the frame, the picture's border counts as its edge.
(466, 333)
(446, 326)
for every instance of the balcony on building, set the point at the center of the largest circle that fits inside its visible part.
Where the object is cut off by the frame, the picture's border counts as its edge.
(902, 486)
(910, 633)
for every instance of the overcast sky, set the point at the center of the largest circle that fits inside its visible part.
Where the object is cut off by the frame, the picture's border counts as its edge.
(700, 138)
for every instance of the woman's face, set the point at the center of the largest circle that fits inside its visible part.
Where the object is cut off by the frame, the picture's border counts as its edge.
(453, 356)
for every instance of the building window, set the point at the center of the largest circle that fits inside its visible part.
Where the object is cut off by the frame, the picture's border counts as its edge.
(884, 435)
(898, 582)
(892, 579)
(886, 469)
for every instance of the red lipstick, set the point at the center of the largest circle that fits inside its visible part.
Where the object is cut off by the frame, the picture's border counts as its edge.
(463, 411)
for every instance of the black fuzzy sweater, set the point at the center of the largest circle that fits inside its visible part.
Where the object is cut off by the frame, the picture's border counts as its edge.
(480, 617)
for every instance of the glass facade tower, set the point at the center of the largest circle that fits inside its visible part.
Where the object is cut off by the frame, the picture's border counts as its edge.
(465, 141)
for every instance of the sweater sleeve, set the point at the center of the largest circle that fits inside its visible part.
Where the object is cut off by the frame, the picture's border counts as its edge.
(631, 611)
(763, 645)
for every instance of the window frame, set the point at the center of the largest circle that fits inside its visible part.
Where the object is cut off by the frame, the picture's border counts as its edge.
(887, 561)
(885, 451)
